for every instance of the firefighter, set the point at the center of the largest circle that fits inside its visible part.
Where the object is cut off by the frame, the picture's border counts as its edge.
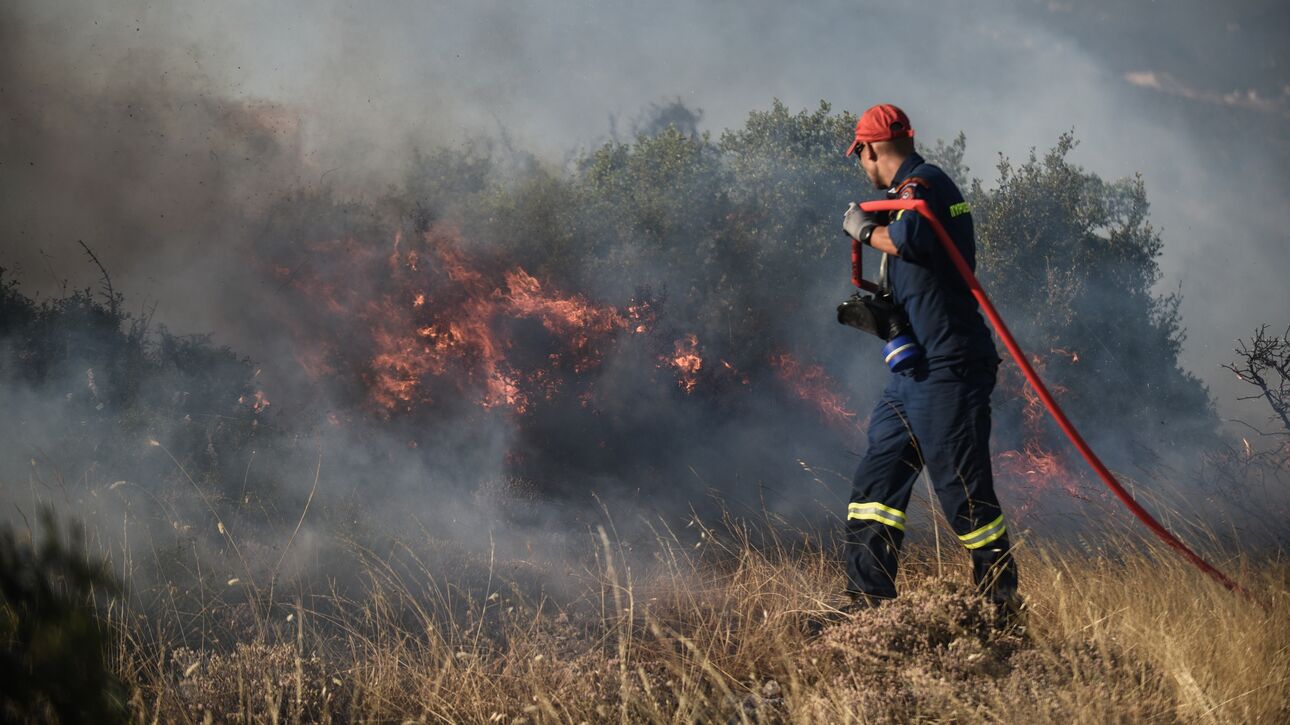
(935, 413)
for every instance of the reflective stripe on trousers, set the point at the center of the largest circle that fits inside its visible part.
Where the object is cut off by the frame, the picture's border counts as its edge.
(984, 535)
(874, 511)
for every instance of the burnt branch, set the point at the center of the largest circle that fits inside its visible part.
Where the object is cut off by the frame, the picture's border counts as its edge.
(1264, 363)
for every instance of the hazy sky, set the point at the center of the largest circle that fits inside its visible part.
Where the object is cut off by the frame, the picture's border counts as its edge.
(1195, 96)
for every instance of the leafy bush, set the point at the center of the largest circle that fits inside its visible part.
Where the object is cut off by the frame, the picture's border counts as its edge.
(88, 385)
(1071, 260)
(52, 659)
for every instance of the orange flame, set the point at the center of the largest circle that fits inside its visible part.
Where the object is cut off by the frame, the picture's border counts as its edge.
(687, 361)
(1074, 356)
(454, 331)
(1034, 465)
(1038, 467)
(568, 317)
(257, 402)
(813, 385)
(732, 370)
(640, 317)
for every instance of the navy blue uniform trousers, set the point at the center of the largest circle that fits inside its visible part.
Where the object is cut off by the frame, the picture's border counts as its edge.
(938, 418)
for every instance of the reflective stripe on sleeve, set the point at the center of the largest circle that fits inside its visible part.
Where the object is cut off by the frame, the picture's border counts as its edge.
(985, 534)
(873, 511)
(896, 352)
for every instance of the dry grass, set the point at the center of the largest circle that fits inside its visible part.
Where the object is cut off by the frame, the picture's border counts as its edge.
(717, 633)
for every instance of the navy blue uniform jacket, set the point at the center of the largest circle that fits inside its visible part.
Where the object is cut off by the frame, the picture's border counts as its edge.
(941, 309)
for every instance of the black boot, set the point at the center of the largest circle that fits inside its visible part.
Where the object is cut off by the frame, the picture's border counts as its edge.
(995, 573)
(861, 602)
(858, 603)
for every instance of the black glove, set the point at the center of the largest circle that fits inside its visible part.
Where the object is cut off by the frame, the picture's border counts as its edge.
(859, 224)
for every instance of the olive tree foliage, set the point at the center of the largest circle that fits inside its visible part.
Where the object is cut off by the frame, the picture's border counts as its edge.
(1071, 260)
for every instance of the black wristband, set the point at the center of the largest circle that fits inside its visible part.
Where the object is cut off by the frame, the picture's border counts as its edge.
(866, 233)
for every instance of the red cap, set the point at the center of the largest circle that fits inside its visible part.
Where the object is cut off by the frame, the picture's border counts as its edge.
(881, 123)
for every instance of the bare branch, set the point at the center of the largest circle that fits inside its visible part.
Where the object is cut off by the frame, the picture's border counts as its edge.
(1264, 363)
(108, 292)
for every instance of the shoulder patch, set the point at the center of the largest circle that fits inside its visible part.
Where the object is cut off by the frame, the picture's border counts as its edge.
(908, 188)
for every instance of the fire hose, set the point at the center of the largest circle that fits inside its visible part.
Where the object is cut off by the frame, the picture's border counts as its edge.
(974, 285)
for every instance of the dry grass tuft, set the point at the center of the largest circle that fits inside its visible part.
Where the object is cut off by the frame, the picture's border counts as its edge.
(718, 634)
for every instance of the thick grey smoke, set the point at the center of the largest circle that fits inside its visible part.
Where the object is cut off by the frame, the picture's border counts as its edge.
(159, 133)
